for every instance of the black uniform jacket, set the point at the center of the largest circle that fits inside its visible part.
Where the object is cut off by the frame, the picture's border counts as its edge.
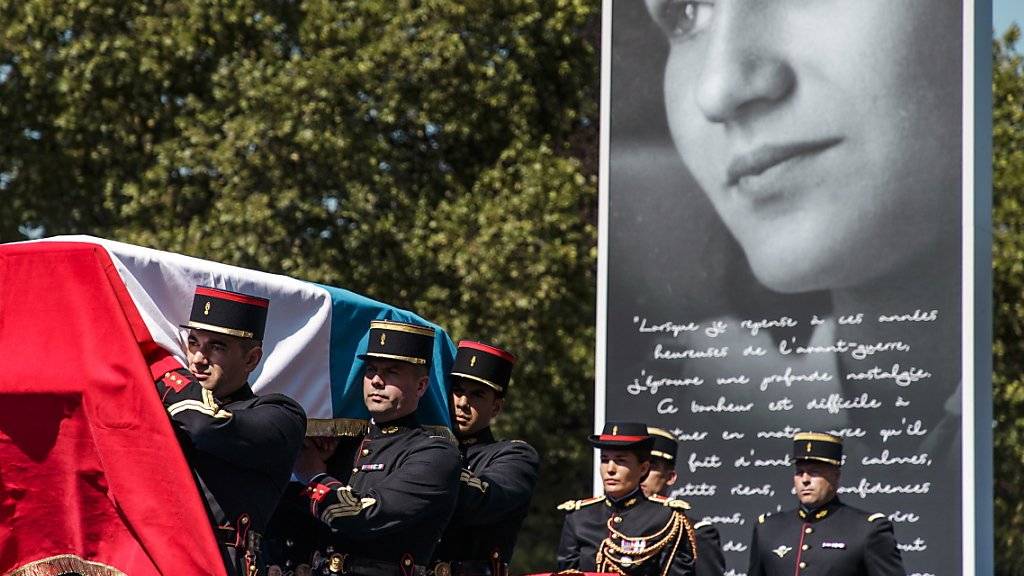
(241, 448)
(837, 540)
(635, 535)
(710, 558)
(495, 489)
(400, 495)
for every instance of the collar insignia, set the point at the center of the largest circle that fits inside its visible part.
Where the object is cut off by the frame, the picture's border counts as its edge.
(389, 429)
(781, 551)
(821, 514)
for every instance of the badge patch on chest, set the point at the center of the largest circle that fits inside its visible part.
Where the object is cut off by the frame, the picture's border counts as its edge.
(834, 545)
(366, 467)
(633, 546)
(781, 551)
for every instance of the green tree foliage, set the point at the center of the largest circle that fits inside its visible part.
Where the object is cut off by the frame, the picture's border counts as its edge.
(1008, 262)
(425, 153)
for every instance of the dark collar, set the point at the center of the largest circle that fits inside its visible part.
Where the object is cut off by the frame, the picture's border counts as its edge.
(243, 393)
(484, 436)
(627, 501)
(819, 513)
(406, 422)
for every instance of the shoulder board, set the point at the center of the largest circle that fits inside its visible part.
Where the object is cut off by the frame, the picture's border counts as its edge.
(676, 504)
(518, 441)
(875, 516)
(571, 505)
(176, 381)
(760, 519)
(701, 524)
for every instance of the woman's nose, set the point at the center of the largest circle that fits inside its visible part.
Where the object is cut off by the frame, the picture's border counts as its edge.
(744, 68)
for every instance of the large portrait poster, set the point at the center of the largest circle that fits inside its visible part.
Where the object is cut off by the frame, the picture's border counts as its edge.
(787, 244)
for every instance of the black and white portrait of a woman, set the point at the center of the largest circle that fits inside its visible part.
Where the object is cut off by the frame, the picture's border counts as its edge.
(783, 243)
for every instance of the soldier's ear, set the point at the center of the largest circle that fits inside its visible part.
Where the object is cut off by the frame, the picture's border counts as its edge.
(499, 404)
(253, 357)
(421, 385)
(672, 477)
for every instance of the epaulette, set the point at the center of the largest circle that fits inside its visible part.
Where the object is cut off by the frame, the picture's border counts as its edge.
(875, 516)
(760, 519)
(572, 505)
(175, 381)
(671, 502)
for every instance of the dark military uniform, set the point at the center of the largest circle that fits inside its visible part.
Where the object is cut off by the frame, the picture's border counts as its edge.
(497, 483)
(494, 497)
(241, 449)
(710, 558)
(634, 535)
(837, 540)
(387, 519)
(833, 539)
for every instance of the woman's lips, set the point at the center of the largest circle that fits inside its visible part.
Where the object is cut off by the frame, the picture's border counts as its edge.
(746, 171)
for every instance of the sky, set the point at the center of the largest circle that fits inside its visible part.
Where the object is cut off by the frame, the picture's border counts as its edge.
(1006, 11)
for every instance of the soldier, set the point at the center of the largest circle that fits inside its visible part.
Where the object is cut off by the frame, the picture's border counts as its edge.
(822, 535)
(240, 446)
(710, 559)
(497, 482)
(623, 531)
(388, 515)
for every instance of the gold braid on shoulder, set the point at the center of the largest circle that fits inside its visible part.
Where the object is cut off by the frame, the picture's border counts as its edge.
(618, 553)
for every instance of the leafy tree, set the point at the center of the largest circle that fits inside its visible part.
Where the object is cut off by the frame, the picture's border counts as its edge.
(430, 154)
(1008, 262)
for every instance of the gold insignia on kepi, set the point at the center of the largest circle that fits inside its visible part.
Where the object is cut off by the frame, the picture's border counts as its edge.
(615, 430)
(237, 314)
(820, 446)
(483, 363)
(781, 551)
(390, 340)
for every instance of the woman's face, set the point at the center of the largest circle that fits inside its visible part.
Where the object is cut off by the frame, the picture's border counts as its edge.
(826, 133)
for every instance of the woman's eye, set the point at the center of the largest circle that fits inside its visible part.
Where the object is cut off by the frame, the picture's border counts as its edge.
(683, 18)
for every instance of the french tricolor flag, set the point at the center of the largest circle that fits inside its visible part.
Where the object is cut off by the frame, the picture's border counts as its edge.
(92, 479)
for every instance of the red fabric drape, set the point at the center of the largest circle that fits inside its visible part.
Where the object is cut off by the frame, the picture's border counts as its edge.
(89, 466)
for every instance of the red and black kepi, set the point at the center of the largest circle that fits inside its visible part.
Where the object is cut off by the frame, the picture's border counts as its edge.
(484, 363)
(631, 435)
(390, 340)
(227, 312)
